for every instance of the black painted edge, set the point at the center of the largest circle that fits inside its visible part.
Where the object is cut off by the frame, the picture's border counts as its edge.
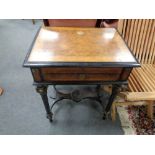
(81, 64)
(80, 83)
(78, 64)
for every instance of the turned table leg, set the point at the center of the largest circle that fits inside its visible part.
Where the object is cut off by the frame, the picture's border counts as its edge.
(42, 90)
(115, 89)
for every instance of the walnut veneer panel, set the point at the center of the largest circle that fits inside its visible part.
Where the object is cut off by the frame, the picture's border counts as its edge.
(79, 45)
(80, 74)
(81, 70)
(48, 77)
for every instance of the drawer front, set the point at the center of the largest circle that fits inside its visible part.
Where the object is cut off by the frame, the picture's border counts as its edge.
(79, 74)
(81, 70)
(80, 77)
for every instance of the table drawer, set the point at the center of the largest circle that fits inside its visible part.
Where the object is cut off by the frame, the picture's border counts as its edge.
(80, 74)
(79, 77)
(110, 70)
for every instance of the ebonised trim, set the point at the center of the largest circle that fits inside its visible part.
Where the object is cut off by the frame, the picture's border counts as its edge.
(80, 64)
(81, 83)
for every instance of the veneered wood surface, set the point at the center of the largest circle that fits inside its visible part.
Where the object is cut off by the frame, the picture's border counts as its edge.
(79, 45)
(81, 70)
(50, 77)
(80, 74)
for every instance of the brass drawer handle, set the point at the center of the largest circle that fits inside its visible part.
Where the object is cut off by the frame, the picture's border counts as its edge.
(82, 76)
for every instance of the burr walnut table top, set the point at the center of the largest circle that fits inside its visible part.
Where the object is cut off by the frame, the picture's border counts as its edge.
(60, 46)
